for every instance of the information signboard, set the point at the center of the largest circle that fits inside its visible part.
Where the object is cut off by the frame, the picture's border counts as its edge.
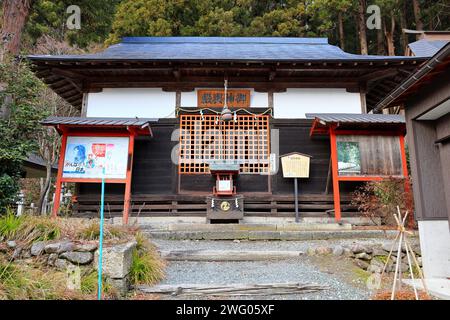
(85, 157)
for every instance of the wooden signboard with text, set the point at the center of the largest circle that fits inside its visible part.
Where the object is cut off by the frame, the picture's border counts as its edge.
(214, 98)
(295, 165)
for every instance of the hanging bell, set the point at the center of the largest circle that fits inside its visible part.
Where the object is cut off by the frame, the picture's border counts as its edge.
(226, 114)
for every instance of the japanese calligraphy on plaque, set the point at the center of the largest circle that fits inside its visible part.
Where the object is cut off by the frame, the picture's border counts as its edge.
(215, 98)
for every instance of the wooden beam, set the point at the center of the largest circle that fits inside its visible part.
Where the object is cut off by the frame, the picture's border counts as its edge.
(67, 73)
(272, 75)
(378, 75)
(268, 89)
(177, 74)
(178, 89)
(219, 79)
(262, 86)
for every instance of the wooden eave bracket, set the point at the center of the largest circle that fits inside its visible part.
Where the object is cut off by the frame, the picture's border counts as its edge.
(319, 128)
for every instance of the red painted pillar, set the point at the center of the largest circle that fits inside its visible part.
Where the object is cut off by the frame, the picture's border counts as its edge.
(334, 169)
(403, 154)
(127, 198)
(57, 198)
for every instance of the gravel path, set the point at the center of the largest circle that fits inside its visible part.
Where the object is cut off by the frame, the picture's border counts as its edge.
(297, 270)
(300, 269)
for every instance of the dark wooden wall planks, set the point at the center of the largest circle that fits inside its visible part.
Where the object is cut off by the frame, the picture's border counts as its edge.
(154, 172)
(380, 155)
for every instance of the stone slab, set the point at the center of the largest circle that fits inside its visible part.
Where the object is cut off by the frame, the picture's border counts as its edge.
(270, 235)
(227, 255)
(117, 260)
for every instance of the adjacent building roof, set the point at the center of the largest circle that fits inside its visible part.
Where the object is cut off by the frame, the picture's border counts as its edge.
(98, 123)
(108, 122)
(357, 118)
(35, 167)
(426, 48)
(350, 121)
(437, 64)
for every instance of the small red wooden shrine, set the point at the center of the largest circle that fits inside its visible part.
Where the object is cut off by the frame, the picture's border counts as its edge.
(97, 127)
(336, 125)
(224, 174)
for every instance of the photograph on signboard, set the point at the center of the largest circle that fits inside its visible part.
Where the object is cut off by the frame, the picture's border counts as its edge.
(86, 157)
(349, 158)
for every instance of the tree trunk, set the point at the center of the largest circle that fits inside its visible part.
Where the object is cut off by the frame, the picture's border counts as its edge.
(403, 25)
(362, 27)
(15, 13)
(417, 16)
(389, 34)
(46, 187)
(341, 30)
(380, 42)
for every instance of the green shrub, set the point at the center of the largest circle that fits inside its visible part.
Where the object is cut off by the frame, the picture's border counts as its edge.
(35, 228)
(10, 224)
(147, 266)
(92, 232)
(28, 228)
(89, 283)
(23, 282)
(379, 199)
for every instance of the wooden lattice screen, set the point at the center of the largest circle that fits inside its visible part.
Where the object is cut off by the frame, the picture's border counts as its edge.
(204, 139)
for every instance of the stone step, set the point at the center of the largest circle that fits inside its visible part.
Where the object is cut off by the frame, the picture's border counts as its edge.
(269, 235)
(227, 255)
(206, 227)
(151, 222)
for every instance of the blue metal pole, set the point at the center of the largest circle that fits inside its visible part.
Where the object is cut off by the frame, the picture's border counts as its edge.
(100, 245)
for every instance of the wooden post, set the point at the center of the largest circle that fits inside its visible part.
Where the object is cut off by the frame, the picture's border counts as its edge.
(57, 196)
(405, 173)
(127, 198)
(403, 154)
(296, 199)
(334, 165)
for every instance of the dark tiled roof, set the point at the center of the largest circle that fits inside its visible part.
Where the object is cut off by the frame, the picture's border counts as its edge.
(357, 118)
(108, 122)
(427, 48)
(221, 49)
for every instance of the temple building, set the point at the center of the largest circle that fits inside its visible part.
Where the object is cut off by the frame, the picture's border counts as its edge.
(195, 126)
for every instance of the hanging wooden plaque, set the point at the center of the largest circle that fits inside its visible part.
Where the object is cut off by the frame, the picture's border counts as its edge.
(214, 98)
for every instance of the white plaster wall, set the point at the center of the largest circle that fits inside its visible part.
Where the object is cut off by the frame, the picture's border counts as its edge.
(131, 102)
(435, 247)
(294, 103)
(257, 99)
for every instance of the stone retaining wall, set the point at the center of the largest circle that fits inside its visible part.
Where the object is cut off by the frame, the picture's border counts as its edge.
(370, 258)
(62, 255)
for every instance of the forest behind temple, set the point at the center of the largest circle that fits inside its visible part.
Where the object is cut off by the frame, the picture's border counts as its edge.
(104, 21)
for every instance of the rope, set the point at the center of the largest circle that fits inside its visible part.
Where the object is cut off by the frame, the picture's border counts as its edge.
(200, 111)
